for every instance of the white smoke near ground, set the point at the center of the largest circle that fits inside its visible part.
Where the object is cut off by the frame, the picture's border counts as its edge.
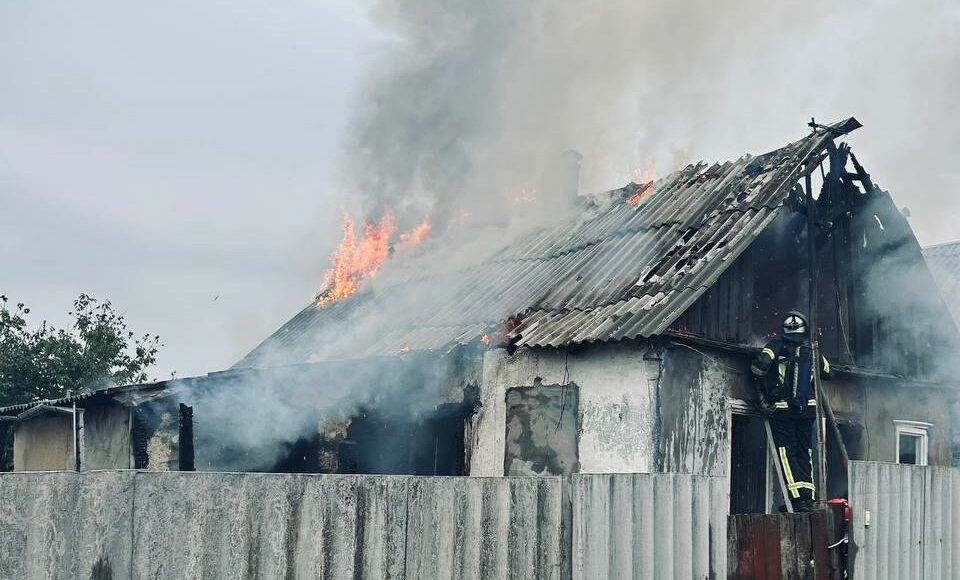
(249, 420)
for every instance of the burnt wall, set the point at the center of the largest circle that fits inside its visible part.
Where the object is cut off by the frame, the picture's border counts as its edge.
(886, 403)
(867, 407)
(615, 386)
(692, 398)
(106, 436)
(542, 430)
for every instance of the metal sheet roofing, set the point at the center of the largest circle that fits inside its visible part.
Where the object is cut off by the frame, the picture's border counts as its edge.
(616, 271)
(125, 394)
(944, 262)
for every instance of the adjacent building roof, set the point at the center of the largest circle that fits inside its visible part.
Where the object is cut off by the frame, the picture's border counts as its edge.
(944, 262)
(618, 270)
(126, 394)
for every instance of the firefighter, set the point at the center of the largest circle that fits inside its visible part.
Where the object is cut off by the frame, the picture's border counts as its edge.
(784, 369)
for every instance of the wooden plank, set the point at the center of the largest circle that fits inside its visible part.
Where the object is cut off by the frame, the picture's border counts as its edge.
(710, 313)
(745, 333)
(792, 547)
(781, 546)
(695, 314)
(736, 298)
(804, 547)
(820, 534)
(772, 547)
(754, 547)
(733, 545)
(732, 303)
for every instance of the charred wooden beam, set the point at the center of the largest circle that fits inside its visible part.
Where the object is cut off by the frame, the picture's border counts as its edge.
(185, 447)
(831, 189)
(813, 163)
(862, 175)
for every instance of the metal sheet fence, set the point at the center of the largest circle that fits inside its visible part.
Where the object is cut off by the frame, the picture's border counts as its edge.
(913, 529)
(649, 526)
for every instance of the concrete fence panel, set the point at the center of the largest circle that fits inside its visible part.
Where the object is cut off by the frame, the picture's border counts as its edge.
(649, 526)
(153, 526)
(472, 528)
(202, 525)
(904, 522)
(942, 527)
(66, 525)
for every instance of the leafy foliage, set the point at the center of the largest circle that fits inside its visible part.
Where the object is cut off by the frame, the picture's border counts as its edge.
(46, 363)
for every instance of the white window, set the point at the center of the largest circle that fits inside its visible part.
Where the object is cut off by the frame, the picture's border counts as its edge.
(912, 442)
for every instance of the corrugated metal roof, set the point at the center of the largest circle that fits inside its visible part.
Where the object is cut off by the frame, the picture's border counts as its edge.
(128, 394)
(944, 262)
(616, 271)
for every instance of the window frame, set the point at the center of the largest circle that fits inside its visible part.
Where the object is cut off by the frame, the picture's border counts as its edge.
(918, 429)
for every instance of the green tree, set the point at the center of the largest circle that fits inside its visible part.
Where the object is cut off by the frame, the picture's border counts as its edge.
(95, 352)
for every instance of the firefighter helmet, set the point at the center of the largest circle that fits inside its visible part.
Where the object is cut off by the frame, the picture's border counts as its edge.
(795, 324)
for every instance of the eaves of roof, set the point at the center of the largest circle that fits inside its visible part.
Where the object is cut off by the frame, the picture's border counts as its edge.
(114, 391)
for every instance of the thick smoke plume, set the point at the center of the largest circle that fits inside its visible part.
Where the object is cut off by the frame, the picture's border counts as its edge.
(473, 103)
(469, 103)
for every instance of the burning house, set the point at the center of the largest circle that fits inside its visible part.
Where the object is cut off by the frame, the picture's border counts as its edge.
(618, 340)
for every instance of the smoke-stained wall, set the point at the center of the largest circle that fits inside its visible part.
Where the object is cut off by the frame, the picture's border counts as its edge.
(615, 386)
(692, 402)
(542, 430)
(106, 437)
(886, 402)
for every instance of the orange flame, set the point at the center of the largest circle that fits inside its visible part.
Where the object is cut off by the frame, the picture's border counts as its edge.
(356, 260)
(417, 234)
(646, 178)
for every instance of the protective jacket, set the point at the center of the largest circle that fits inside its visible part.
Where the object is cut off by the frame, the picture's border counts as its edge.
(785, 371)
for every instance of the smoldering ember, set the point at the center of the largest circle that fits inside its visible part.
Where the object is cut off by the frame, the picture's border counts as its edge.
(598, 386)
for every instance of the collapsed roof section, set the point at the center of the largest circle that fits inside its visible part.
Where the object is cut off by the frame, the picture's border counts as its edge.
(619, 270)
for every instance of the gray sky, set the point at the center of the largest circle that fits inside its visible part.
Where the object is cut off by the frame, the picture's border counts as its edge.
(163, 154)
